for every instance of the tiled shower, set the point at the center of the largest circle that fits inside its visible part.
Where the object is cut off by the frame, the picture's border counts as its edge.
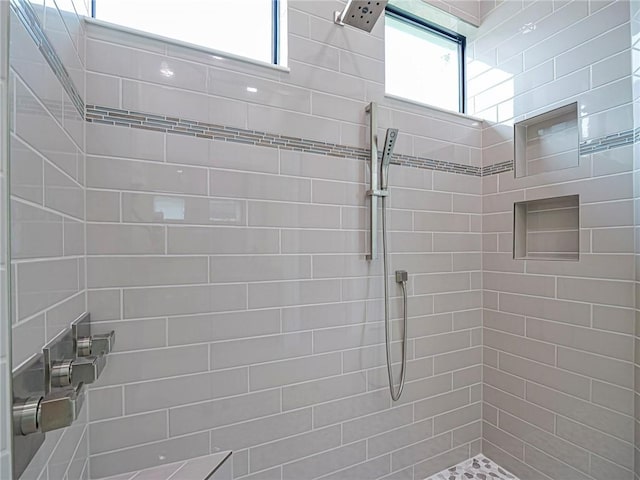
(221, 233)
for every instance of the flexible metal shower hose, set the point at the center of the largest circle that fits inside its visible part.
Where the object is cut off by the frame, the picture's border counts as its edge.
(395, 395)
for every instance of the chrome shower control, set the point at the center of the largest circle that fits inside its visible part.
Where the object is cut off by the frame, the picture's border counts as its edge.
(26, 415)
(61, 373)
(42, 414)
(77, 371)
(401, 276)
(95, 344)
(60, 408)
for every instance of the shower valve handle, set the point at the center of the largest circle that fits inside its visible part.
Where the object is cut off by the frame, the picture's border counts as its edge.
(95, 344)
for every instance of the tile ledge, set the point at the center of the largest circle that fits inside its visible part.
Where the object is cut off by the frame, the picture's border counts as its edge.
(212, 461)
(115, 28)
(433, 108)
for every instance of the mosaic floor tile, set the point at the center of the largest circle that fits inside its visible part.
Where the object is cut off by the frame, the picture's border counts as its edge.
(478, 467)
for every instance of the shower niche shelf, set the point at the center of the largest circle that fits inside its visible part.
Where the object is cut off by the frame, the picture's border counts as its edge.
(547, 142)
(547, 229)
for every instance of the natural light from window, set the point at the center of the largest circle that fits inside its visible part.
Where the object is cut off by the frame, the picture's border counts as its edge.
(240, 27)
(421, 65)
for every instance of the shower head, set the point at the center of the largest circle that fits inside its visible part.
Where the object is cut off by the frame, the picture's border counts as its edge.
(362, 14)
(389, 143)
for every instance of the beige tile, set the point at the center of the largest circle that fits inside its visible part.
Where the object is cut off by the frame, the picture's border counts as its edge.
(123, 174)
(220, 240)
(590, 340)
(538, 285)
(509, 443)
(289, 371)
(339, 193)
(614, 319)
(504, 322)
(377, 423)
(222, 326)
(547, 442)
(550, 376)
(326, 462)
(288, 449)
(255, 432)
(457, 242)
(517, 345)
(249, 268)
(596, 366)
(124, 142)
(441, 222)
(226, 411)
(420, 451)
(457, 360)
(225, 183)
(167, 209)
(323, 390)
(140, 271)
(218, 154)
(503, 381)
(164, 393)
(302, 164)
(612, 240)
(296, 215)
(137, 429)
(436, 405)
(113, 239)
(547, 308)
(598, 266)
(587, 413)
(235, 353)
(450, 302)
(607, 292)
(157, 301)
(446, 342)
(275, 294)
(521, 409)
(323, 241)
(550, 466)
(610, 396)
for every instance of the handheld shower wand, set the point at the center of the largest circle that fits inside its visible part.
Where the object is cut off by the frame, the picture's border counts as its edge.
(389, 144)
(379, 189)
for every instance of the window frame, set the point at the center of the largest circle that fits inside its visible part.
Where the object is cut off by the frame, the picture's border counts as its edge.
(275, 33)
(460, 40)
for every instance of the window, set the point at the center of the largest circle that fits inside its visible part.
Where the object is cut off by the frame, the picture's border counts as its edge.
(248, 28)
(423, 62)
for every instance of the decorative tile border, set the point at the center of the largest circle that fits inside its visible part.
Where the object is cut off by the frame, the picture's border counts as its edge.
(608, 142)
(28, 17)
(174, 125)
(179, 126)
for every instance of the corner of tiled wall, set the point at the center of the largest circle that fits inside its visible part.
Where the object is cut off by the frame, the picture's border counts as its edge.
(558, 335)
(47, 199)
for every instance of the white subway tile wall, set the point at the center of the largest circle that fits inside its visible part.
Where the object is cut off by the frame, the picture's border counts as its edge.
(558, 337)
(635, 165)
(235, 276)
(237, 273)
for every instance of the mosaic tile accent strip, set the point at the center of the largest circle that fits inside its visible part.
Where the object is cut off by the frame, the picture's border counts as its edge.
(173, 125)
(608, 142)
(476, 468)
(24, 11)
(169, 124)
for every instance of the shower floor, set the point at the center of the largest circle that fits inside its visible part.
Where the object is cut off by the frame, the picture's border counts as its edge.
(478, 467)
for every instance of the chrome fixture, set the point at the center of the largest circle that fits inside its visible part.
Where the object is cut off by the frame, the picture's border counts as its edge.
(379, 177)
(95, 344)
(77, 371)
(49, 389)
(362, 14)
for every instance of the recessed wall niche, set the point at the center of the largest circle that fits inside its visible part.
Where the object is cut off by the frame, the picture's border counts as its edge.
(547, 229)
(547, 142)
